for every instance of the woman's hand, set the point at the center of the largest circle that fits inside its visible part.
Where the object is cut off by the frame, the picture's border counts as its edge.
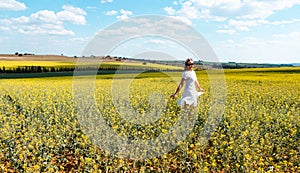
(172, 96)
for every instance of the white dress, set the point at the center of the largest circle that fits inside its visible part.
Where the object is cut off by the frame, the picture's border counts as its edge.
(190, 95)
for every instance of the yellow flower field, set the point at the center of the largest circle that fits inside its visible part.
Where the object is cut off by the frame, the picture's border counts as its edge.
(259, 131)
(14, 64)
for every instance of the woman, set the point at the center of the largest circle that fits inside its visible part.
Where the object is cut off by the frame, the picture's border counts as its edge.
(190, 94)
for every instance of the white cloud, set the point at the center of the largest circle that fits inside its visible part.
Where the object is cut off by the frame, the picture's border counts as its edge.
(46, 22)
(44, 16)
(124, 14)
(254, 9)
(3, 28)
(72, 14)
(280, 48)
(282, 22)
(12, 5)
(45, 29)
(162, 25)
(169, 10)
(244, 25)
(84, 40)
(241, 14)
(189, 10)
(183, 19)
(111, 13)
(226, 31)
(291, 35)
(105, 1)
(253, 41)
(229, 44)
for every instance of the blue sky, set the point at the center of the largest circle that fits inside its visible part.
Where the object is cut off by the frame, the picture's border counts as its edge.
(260, 31)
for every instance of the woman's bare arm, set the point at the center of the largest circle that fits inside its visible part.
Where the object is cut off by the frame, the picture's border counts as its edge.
(178, 88)
(198, 86)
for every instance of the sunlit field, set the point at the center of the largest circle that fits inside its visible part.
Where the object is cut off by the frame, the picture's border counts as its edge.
(259, 131)
(112, 64)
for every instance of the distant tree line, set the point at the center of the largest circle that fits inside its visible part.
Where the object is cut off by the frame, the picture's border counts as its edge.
(33, 69)
(233, 65)
(43, 69)
(20, 54)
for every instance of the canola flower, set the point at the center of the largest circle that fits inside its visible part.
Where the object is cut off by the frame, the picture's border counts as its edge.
(259, 131)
